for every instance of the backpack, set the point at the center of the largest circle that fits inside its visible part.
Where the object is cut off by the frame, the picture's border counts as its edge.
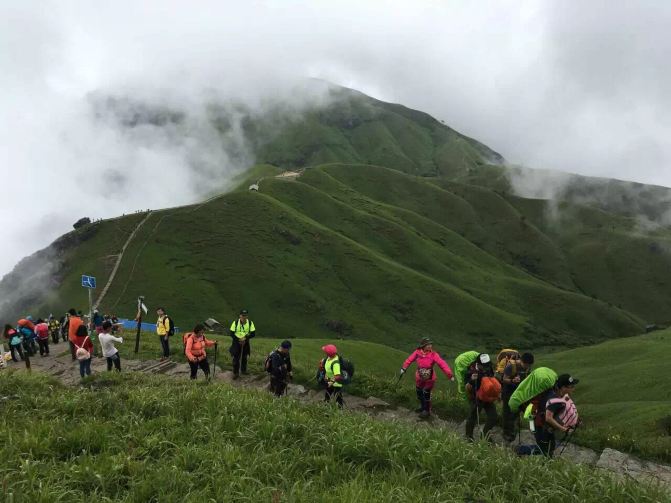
(489, 390)
(346, 371)
(171, 326)
(268, 364)
(569, 415)
(82, 354)
(502, 359)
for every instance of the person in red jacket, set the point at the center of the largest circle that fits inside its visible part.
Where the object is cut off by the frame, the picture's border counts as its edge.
(195, 351)
(42, 332)
(83, 345)
(425, 377)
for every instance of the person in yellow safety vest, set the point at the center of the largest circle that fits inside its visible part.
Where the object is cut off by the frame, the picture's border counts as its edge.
(332, 375)
(241, 331)
(164, 329)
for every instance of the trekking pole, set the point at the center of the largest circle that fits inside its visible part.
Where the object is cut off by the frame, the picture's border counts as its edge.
(566, 438)
(214, 365)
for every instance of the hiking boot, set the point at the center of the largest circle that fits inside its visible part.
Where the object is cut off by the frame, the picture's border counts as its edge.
(245, 373)
(424, 414)
(236, 376)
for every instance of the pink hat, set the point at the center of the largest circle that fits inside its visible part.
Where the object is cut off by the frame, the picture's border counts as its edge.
(330, 350)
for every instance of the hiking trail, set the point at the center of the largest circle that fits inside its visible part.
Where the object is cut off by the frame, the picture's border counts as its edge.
(61, 366)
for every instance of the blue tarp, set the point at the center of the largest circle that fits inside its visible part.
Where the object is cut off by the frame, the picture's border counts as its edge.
(147, 327)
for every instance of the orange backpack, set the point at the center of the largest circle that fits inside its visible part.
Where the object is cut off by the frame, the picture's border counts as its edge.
(489, 390)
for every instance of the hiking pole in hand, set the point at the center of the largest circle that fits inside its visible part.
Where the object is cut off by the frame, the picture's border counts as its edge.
(214, 364)
(567, 437)
(400, 376)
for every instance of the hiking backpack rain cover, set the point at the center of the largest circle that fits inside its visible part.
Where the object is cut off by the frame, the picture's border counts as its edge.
(537, 382)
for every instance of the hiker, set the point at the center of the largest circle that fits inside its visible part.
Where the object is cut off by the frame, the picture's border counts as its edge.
(83, 348)
(514, 373)
(241, 331)
(74, 322)
(107, 341)
(555, 412)
(332, 375)
(54, 329)
(425, 377)
(97, 321)
(27, 329)
(195, 351)
(42, 333)
(164, 329)
(279, 367)
(482, 390)
(13, 337)
(65, 324)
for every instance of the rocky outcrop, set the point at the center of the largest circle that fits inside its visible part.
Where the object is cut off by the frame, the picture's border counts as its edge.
(625, 465)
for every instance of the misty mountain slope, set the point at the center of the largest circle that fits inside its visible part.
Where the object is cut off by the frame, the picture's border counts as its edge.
(611, 257)
(51, 277)
(320, 256)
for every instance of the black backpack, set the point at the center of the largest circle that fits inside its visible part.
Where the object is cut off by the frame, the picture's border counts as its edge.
(268, 365)
(346, 371)
(171, 326)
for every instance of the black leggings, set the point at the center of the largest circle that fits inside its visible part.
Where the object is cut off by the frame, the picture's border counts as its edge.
(114, 360)
(44, 346)
(203, 364)
(490, 411)
(333, 391)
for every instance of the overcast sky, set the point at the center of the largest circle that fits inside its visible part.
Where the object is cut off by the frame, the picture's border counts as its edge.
(571, 85)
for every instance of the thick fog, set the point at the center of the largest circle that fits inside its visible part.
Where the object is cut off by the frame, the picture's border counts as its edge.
(570, 86)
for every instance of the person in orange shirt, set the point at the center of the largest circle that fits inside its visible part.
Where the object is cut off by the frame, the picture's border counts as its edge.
(195, 351)
(73, 326)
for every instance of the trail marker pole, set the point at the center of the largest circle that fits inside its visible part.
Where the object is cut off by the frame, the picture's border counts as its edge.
(140, 307)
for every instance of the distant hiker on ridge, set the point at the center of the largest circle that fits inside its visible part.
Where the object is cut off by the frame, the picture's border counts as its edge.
(164, 329)
(425, 377)
(241, 331)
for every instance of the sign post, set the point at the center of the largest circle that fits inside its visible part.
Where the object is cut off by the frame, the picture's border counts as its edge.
(140, 307)
(90, 283)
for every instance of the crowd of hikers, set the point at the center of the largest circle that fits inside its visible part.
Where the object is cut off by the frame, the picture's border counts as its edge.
(538, 396)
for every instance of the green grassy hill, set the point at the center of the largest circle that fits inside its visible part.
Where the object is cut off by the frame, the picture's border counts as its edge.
(410, 229)
(142, 438)
(623, 395)
(346, 251)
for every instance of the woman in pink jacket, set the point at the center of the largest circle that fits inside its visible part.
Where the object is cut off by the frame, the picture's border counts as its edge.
(425, 377)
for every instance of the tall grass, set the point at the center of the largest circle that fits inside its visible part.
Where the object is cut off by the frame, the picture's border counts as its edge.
(141, 438)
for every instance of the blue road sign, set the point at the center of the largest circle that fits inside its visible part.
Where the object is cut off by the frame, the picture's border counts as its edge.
(88, 281)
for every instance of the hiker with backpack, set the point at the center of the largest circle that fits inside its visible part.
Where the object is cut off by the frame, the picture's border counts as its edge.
(165, 328)
(425, 377)
(54, 328)
(195, 351)
(73, 323)
(13, 337)
(278, 365)
(514, 373)
(555, 412)
(241, 331)
(83, 349)
(27, 329)
(482, 390)
(42, 333)
(109, 351)
(332, 375)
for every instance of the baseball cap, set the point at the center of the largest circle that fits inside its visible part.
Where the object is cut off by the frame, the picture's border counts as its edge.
(244, 311)
(566, 380)
(286, 344)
